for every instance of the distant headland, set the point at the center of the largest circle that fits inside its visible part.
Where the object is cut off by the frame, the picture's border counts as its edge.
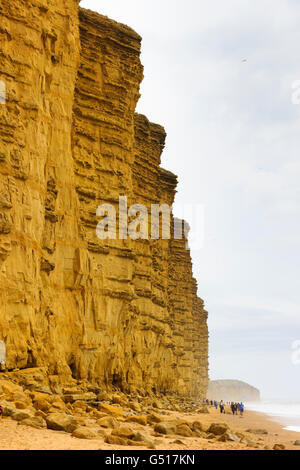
(232, 390)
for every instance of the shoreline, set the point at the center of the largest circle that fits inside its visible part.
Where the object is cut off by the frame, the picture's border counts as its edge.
(285, 420)
(17, 436)
(280, 420)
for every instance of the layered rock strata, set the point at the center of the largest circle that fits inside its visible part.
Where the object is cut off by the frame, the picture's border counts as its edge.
(117, 312)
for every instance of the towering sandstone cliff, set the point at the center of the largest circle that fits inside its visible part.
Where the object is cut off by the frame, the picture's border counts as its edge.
(121, 313)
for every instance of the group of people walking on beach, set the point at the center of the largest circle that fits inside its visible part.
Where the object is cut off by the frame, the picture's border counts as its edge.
(236, 408)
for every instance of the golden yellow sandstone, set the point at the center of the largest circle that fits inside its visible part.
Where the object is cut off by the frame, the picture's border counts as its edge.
(20, 405)
(83, 432)
(118, 313)
(124, 432)
(108, 422)
(113, 410)
(137, 419)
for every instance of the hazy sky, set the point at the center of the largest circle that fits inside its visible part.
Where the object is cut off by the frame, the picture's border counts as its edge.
(218, 77)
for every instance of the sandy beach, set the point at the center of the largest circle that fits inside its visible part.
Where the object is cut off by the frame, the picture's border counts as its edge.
(16, 436)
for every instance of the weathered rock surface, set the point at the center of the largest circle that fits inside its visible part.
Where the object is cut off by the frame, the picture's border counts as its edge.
(124, 431)
(279, 447)
(229, 436)
(36, 422)
(153, 418)
(118, 313)
(142, 420)
(108, 422)
(112, 410)
(83, 432)
(165, 428)
(20, 415)
(184, 430)
(218, 428)
(61, 422)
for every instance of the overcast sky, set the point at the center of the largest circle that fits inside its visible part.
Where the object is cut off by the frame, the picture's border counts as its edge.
(218, 77)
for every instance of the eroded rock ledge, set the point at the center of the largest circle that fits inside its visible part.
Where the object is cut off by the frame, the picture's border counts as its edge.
(120, 313)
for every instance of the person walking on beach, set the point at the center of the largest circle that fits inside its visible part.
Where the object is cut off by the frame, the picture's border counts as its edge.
(242, 408)
(232, 407)
(222, 408)
(216, 405)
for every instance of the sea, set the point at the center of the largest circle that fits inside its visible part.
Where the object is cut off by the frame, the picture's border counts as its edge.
(285, 413)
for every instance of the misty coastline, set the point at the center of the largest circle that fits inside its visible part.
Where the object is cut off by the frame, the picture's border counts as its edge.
(286, 413)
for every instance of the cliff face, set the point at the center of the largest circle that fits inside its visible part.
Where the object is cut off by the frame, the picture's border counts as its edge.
(232, 390)
(115, 312)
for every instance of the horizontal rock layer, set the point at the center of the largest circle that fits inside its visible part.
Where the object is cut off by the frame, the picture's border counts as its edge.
(121, 313)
